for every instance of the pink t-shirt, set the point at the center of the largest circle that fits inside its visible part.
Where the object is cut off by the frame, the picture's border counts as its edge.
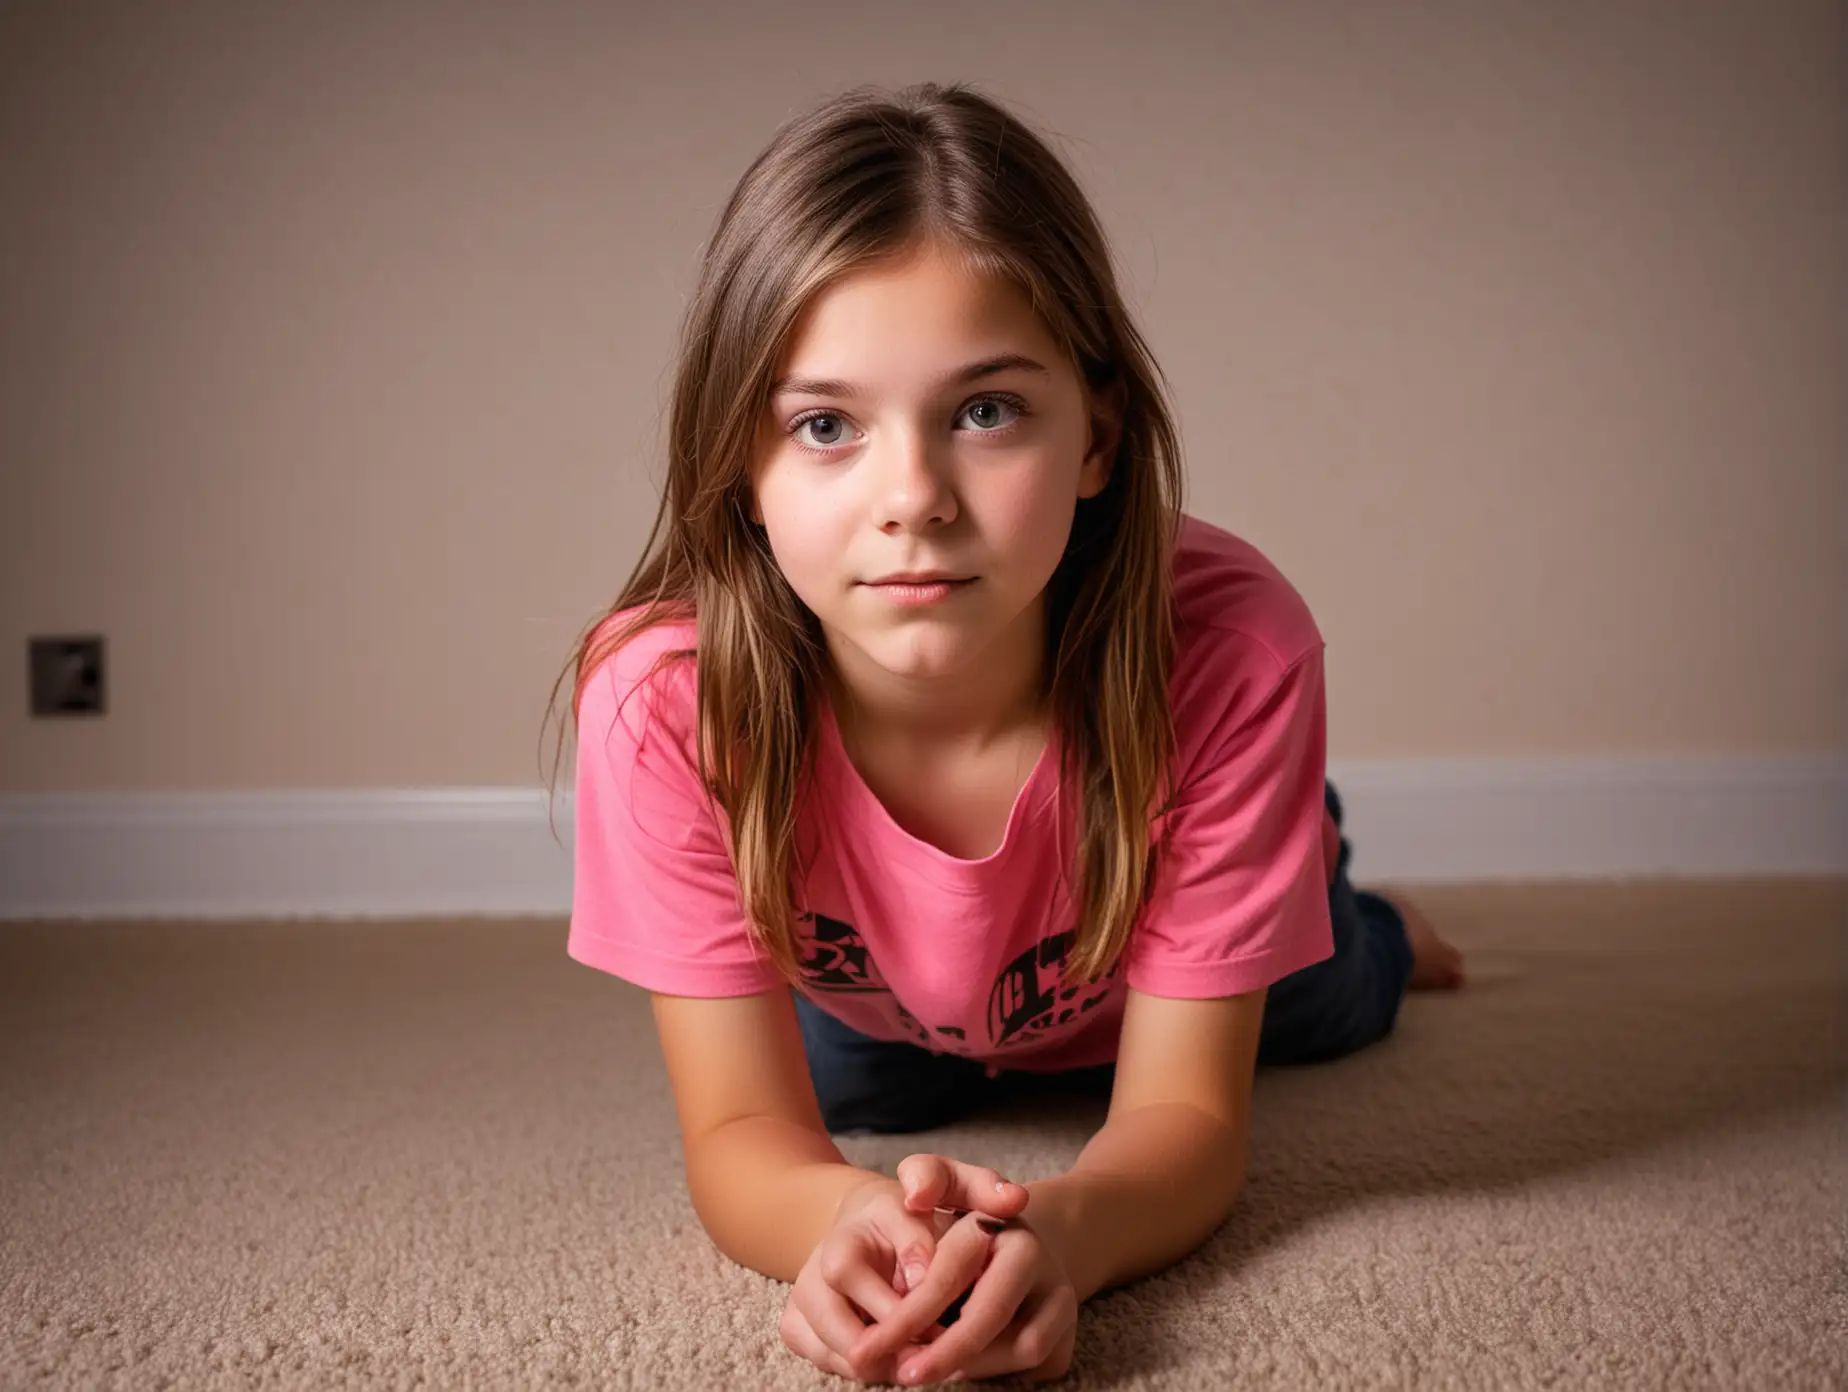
(902, 941)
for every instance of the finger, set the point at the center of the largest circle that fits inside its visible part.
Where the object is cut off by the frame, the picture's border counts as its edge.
(800, 1338)
(961, 1255)
(991, 1307)
(852, 1290)
(959, 1260)
(852, 1265)
(937, 1181)
(915, 1255)
(1039, 1340)
(925, 1179)
(914, 1237)
(871, 1292)
(834, 1324)
(833, 1319)
(850, 1255)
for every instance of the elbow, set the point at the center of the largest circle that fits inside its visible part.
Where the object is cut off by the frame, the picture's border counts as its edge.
(1230, 1154)
(1224, 1189)
(1234, 1188)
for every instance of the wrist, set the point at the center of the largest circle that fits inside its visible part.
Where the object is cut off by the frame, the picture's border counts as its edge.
(1056, 1212)
(857, 1193)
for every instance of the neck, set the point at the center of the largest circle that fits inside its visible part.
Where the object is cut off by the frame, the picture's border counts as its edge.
(992, 700)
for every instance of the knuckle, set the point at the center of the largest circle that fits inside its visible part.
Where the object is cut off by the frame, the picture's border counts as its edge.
(1031, 1345)
(833, 1265)
(977, 1243)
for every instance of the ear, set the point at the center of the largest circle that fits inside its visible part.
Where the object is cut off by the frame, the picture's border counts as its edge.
(1107, 407)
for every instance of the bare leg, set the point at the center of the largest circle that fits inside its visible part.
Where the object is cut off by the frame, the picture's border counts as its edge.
(1436, 964)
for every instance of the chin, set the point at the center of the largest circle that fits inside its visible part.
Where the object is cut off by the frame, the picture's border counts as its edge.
(917, 661)
(915, 668)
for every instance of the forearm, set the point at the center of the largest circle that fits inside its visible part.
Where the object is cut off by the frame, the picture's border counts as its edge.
(1147, 1189)
(766, 1191)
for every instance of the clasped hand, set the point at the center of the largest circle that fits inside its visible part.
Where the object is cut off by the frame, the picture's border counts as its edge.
(868, 1302)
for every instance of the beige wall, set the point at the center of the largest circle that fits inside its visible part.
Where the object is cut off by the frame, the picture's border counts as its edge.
(332, 340)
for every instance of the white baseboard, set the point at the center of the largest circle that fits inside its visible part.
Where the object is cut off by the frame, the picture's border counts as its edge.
(454, 852)
(1458, 820)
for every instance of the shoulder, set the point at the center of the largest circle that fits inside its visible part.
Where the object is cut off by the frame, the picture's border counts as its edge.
(1226, 590)
(1241, 629)
(646, 683)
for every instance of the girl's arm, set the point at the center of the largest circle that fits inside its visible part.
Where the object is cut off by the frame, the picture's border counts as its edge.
(767, 1190)
(1149, 1188)
(1163, 1171)
(762, 1173)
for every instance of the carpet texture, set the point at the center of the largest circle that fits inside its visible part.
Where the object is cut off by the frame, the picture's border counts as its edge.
(323, 1154)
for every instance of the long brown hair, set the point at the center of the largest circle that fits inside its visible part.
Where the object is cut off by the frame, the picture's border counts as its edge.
(857, 181)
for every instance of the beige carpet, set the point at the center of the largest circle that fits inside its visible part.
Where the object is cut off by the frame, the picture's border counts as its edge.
(338, 1154)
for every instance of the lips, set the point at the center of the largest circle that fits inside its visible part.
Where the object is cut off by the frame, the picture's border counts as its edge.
(922, 577)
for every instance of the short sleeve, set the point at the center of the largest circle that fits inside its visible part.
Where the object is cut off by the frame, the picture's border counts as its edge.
(1241, 892)
(654, 898)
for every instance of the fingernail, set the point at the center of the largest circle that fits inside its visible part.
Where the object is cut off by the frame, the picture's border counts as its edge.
(911, 1374)
(1000, 1186)
(914, 1276)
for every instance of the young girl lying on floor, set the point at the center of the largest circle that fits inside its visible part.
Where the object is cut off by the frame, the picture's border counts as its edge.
(932, 747)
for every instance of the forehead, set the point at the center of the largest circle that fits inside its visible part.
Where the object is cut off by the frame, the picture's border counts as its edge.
(907, 320)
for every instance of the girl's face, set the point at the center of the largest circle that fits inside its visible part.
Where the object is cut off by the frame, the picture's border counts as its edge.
(925, 423)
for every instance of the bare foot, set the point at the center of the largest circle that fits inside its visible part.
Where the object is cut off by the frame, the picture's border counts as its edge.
(1436, 964)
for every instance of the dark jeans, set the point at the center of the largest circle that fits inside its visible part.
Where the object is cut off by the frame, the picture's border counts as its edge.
(1321, 1012)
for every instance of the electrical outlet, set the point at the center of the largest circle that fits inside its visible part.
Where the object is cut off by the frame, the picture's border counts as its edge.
(67, 675)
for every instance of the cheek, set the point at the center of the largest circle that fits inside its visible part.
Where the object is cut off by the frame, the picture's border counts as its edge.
(802, 536)
(772, 495)
(1034, 511)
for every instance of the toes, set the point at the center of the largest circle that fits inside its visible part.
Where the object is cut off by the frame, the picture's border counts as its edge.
(1442, 971)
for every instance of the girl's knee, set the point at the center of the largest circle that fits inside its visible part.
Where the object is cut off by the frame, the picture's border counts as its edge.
(1325, 1038)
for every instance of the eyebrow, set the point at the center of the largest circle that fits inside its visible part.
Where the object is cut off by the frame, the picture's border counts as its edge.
(974, 372)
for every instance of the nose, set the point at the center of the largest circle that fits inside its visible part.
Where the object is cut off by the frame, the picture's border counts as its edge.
(914, 489)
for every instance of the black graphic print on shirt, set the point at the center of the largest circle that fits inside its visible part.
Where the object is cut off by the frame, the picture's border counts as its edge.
(840, 961)
(1027, 1001)
(1024, 1004)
